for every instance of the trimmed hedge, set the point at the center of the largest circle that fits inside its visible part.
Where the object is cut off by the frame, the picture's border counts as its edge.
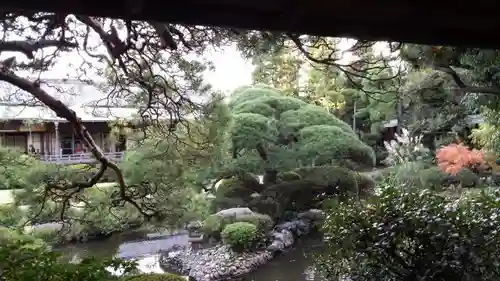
(213, 225)
(467, 178)
(412, 234)
(10, 215)
(432, 178)
(240, 235)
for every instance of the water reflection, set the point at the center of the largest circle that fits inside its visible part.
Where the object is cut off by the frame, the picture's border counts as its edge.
(125, 246)
(144, 248)
(295, 265)
(147, 264)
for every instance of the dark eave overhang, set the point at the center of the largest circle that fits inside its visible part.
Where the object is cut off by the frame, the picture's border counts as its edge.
(470, 23)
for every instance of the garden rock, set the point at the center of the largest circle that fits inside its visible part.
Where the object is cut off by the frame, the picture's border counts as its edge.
(235, 212)
(285, 236)
(276, 246)
(297, 227)
(312, 215)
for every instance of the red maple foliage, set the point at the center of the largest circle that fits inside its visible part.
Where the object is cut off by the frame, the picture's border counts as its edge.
(455, 157)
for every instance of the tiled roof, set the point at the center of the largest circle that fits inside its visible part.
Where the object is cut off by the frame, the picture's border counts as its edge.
(70, 92)
(91, 101)
(96, 114)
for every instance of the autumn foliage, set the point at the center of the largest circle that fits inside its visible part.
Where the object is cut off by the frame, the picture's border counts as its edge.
(454, 157)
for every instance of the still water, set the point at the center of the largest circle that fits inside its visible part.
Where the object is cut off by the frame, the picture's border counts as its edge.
(294, 265)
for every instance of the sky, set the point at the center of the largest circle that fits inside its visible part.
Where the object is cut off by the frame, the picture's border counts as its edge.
(231, 69)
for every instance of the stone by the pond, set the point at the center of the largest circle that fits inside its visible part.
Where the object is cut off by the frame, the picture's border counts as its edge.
(235, 212)
(276, 246)
(297, 227)
(312, 215)
(283, 235)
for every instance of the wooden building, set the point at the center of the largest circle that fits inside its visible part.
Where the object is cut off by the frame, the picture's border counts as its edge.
(37, 130)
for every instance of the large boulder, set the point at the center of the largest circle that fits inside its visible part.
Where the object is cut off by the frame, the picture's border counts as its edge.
(312, 215)
(297, 227)
(284, 236)
(234, 212)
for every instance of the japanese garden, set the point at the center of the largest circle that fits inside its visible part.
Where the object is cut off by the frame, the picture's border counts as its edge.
(379, 159)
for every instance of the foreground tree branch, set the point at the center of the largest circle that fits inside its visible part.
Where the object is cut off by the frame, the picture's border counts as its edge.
(29, 47)
(146, 64)
(81, 131)
(464, 88)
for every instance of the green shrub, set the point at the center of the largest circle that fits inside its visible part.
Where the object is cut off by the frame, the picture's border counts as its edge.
(212, 226)
(232, 193)
(240, 235)
(342, 179)
(233, 187)
(154, 277)
(10, 236)
(10, 215)
(330, 203)
(467, 178)
(432, 178)
(406, 174)
(270, 206)
(289, 176)
(410, 234)
(366, 184)
(45, 234)
(263, 222)
(198, 207)
(316, 184)
(23, 257)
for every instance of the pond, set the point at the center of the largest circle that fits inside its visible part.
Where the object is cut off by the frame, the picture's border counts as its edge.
(294, 265)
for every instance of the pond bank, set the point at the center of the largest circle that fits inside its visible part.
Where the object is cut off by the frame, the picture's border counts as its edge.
(220, 262)
(294, 265)
(127, 245)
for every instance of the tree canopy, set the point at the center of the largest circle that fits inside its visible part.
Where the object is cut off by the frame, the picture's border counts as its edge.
(157, 67)
(271, 131)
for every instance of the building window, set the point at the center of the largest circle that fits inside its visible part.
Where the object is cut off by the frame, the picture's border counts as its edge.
(19, 141)
(71, 145)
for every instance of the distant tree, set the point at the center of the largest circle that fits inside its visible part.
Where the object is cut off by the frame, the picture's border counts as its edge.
(302, 151)
(270, 132)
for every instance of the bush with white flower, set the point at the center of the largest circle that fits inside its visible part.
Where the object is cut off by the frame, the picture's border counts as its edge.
(405, 148)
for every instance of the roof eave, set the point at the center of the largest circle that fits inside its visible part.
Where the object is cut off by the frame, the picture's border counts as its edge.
(445, 23)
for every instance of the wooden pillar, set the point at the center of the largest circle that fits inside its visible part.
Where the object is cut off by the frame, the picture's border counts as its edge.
(58, 142)
(73, 142)
(30, 137)
(42, 143)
